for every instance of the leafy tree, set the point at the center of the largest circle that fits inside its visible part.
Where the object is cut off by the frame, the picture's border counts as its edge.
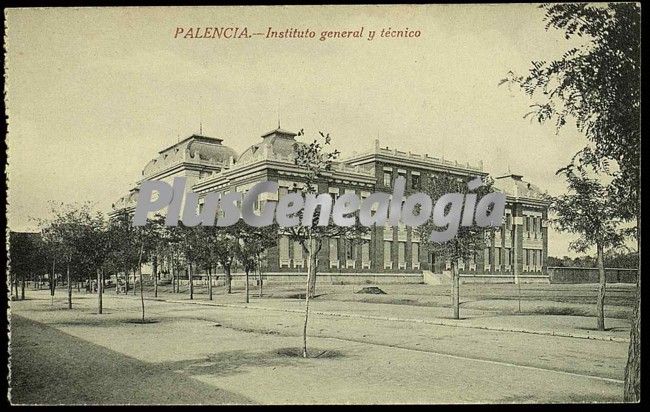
(598, 85)
(146, 238)
(253, 241)
(469, 240)
(124, 248)
(191, 244)
(222, 244)
(65, 234)
(27, 259)
(94, 251)
(589, 210)
(170, 242)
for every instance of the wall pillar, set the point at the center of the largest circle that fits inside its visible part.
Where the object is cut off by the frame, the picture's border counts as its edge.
(518, 241)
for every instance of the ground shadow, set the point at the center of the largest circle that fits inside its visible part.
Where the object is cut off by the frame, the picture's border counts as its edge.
(237, 361)
(141, 322)
(314, 353)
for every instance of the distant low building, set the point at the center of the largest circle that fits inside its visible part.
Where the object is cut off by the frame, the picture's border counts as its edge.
(210, 166)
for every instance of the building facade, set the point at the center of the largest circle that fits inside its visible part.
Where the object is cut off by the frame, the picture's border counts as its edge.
(517, 252)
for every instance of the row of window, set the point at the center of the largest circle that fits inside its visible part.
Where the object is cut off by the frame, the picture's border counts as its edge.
(504, 256)
(533, 258)
(414, 183)
(532, 224)
(292, 252)
(401, 252)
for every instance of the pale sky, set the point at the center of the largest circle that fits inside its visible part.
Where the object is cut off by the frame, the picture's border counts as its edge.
(93, 94)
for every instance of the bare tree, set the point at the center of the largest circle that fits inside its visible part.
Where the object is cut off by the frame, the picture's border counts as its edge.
(315, 163)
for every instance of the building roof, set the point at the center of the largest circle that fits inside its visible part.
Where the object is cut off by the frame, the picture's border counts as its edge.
(513, 185)
(280, 133)
(277, 144)
(195, 148)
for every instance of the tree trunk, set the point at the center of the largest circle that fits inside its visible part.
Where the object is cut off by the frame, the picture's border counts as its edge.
(247, 297)
(69, 286)
(600, 301)
(632, 386)
(141, 292)
(134, 278)
(190, 280)
(100, 291)
(311, 273)
(173, 268)
(126, 281)
(155, 275)
(210, 282)
(226, 269)
(307, 292)
(455, 290)
(259, 270)
(52, 281)
(141, 282)
(22, 289)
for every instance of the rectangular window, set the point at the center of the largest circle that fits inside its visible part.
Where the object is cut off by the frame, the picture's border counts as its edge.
(401, 252)
(387, 252)
(284, 248)
(365, 252)
(349, 250)
(415, 181)
(415, 254)
(497, 257)
(526, 257)
(534, 258)
(334, 193)
(297, 251)
(334, 250)
(388, 178)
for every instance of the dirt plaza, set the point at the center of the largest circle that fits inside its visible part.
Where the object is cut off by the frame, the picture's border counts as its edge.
(402, 347)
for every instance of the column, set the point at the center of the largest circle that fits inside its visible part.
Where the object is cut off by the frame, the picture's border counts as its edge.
(518, 241)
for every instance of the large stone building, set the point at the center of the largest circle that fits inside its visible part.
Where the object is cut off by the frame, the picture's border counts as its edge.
(517, 252)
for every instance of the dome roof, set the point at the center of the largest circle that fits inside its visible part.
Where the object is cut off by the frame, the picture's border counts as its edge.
(208, 150)
(196, 148)
(277, 143)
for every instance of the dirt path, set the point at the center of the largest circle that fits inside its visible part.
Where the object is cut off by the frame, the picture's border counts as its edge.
(73, 371)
